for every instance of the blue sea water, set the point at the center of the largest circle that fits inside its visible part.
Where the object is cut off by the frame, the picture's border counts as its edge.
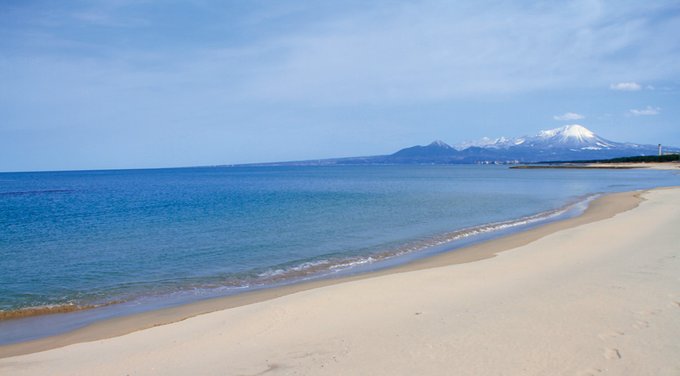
(95, 237)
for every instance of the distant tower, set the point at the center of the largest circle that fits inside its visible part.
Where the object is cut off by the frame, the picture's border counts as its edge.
(659, 149)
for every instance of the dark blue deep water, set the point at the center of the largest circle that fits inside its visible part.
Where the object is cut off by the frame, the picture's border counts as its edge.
(94, 237)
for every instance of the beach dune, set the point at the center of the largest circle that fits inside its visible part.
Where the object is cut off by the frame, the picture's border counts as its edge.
(591, 298)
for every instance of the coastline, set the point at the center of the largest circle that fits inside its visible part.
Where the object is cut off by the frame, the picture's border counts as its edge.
(601, 208)
(594, 296)
(603, 166)
(61, 319)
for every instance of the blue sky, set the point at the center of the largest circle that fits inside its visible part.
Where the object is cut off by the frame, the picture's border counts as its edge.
(125, 84)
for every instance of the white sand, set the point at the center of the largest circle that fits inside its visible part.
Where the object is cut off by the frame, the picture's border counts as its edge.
(601, 298)
(650, 165)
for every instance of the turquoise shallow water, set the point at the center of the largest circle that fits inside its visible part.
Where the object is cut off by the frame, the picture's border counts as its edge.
(93, 237)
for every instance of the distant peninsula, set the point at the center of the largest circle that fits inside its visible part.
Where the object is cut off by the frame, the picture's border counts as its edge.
(569, 143)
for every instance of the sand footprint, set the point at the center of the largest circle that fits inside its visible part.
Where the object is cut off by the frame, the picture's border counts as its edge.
(590, 372)
(612, 354)
(650, 312)
(609, 335)
(641, 324)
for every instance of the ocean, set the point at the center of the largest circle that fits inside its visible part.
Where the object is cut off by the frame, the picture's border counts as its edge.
(134, 240)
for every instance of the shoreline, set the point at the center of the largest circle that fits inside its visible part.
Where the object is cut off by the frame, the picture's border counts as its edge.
(405, 253)
(601, 166)
(601, 208)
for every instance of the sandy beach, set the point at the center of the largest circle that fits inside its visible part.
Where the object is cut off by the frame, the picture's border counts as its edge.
(652, 165)
(593, 295)
(604, 166)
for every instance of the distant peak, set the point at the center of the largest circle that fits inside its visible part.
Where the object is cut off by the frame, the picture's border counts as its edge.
(577, 131)
(440, 143)
(575, 127)
(573, 131)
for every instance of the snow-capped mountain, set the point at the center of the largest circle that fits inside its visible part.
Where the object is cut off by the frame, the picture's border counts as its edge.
(569, 136)
(486, 142)
(571, 142)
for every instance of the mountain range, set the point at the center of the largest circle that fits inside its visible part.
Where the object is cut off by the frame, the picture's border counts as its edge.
(568, 143)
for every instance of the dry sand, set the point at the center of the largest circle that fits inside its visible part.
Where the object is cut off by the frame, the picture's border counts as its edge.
(569, 298)
(603, 166)
(650, 165)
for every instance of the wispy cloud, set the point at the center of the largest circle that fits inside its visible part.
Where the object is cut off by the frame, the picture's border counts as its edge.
(436, 50)
(106, 19)
(568, 116)
(394, 52)
(647, 111)
(626, 86)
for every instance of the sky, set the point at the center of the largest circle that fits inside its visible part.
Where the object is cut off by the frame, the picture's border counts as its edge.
(135, 84)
